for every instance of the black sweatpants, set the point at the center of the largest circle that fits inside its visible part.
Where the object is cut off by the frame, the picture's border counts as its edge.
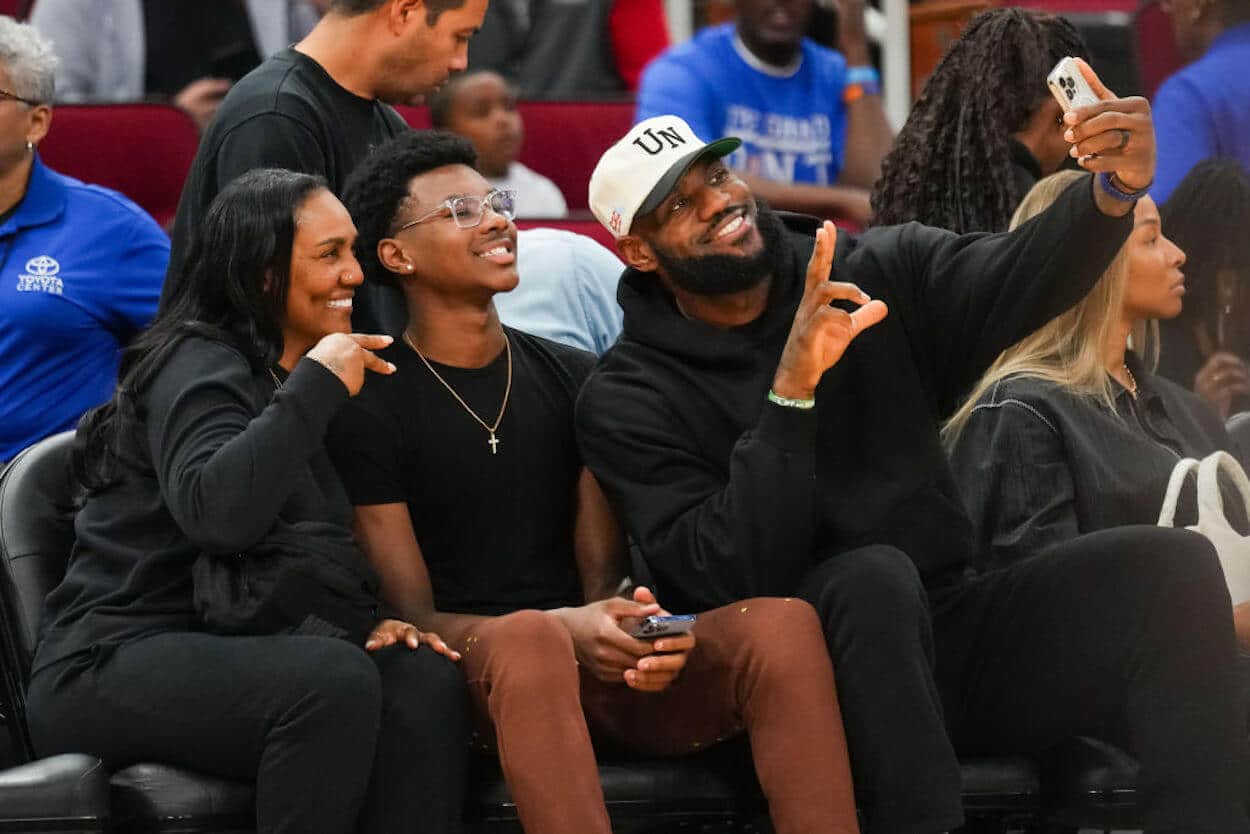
(336, 740)
(1124, 634)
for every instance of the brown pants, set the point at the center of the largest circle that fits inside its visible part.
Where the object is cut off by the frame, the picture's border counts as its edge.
(760, 666)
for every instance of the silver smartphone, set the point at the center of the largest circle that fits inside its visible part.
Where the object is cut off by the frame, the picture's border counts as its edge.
(1069, 86)
(654, 627)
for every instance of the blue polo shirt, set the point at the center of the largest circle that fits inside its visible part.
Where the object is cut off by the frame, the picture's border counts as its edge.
(1203, 111)
(792, 121)
(81, 269)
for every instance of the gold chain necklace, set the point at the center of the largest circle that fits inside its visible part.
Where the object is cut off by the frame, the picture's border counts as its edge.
(1132, 381)
(494, 441)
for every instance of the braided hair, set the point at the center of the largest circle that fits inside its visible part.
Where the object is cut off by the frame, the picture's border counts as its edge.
(951, 164)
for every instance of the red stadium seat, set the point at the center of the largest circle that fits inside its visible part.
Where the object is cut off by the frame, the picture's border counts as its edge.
(563, 139)
(416, 117)
(142, 150)
(16, 8)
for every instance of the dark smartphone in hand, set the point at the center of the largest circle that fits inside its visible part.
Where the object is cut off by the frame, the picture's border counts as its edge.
(655, 627)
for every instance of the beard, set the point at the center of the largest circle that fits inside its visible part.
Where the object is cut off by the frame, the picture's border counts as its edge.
(713, 275)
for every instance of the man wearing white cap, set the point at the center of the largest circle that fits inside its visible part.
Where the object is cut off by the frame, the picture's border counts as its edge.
(506, 547)
(757, 439)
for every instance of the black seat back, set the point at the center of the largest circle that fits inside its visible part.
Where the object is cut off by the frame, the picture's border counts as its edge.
(38, 499)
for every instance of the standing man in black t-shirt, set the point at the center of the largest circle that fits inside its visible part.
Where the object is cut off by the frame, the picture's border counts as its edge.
(473, 503)
(321, 105)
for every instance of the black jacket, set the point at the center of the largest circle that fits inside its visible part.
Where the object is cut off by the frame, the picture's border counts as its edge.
(729, 496)
(200, 473)
(1038, 464)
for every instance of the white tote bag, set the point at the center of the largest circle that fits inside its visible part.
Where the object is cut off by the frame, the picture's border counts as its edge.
(1232, 547)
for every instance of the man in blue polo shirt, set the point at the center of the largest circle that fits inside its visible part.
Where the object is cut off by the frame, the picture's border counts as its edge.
(811, 121)
(1203, 110)
(81, 267)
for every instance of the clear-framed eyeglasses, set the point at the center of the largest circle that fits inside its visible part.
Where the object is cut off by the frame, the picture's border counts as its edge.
(468, 210)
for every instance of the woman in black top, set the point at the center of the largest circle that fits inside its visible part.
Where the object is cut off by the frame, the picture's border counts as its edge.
(212, 445)
(1207, 346)
(1069, 432)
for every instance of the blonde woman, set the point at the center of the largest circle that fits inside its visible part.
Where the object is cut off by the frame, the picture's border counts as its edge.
(1069, 431)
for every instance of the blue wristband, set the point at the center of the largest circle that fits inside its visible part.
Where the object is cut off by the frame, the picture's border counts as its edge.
(863, 75)
(1108, 184)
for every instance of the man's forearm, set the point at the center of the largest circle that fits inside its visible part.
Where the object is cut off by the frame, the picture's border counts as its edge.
(444, 622)
(1107, 204)
(869, 138)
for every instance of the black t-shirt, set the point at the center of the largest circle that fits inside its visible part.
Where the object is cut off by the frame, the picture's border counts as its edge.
(496, 529)
(187, 41)
(289, 113)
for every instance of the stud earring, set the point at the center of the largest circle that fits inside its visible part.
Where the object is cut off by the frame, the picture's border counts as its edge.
(408, 267)
(30, 146)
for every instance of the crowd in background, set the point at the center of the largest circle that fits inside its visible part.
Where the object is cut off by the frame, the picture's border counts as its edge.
(1060, 302)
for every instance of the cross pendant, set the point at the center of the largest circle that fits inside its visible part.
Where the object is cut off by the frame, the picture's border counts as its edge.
(494, 444)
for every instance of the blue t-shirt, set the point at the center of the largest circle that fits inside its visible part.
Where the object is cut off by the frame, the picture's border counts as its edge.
(81, 269)
(567, 291)
(1203, 111)
(792, 123)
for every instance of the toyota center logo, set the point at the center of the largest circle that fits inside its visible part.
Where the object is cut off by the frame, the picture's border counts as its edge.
(43, 265)
(41, 276)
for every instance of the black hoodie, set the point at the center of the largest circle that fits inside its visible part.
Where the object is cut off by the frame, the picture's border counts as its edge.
(729, 496)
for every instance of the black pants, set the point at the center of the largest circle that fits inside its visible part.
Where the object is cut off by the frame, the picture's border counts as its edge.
(1124, 634)
(336, 740)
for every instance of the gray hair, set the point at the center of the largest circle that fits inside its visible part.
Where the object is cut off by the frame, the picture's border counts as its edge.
(29, 61)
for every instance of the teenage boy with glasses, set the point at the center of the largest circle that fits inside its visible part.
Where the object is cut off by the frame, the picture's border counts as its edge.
(474, 506)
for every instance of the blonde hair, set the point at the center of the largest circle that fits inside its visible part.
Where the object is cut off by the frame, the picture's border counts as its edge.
(1068, 350)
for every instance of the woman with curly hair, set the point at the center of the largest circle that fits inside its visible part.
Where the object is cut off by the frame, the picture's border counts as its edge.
(984, 129)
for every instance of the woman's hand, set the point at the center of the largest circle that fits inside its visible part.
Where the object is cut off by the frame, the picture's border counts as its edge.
(349, 355)
(1114, 136)
(1221, 380)
(388, 632)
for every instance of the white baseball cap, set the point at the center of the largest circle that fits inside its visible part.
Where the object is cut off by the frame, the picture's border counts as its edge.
(638, 172)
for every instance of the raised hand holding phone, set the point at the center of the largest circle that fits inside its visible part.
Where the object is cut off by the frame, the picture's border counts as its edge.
(1069, 87)
(1115, 137)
